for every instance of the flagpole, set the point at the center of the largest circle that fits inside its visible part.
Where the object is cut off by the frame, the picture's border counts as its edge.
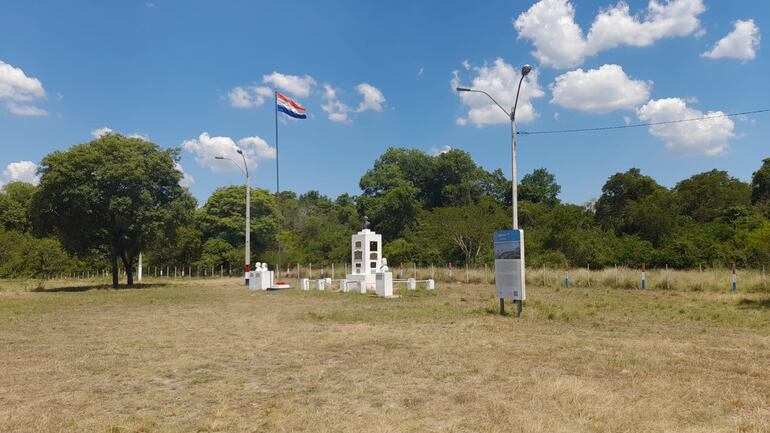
(277, 184)
(277, 181)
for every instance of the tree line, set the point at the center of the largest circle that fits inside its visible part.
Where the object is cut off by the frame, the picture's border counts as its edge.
(99, 204)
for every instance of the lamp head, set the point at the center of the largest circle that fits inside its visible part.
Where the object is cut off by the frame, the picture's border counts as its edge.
(239, 151)
(219, 157)
(463, 89)
(526, 69)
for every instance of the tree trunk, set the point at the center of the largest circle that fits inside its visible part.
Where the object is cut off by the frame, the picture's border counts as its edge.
(114, 261)
(129, 266)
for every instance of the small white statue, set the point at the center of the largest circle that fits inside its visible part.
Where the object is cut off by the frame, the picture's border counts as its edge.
(384, 265)
(264, 267)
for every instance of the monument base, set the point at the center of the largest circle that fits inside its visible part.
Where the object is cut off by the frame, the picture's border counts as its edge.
(279, 286)
(367, 282)
(385, 284)
(260, 280)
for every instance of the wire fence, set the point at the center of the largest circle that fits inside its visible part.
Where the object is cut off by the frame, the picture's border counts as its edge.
(713, 278)
(706, 279)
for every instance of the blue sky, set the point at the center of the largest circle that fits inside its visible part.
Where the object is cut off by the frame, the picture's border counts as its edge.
(379, 74)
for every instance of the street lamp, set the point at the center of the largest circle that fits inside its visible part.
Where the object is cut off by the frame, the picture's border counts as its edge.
(245, 170)
(525, 70)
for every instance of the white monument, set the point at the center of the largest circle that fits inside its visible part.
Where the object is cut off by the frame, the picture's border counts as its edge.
(366, 253)
(261, 278)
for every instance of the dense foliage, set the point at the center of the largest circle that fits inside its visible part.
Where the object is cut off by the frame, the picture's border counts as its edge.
(114, 197)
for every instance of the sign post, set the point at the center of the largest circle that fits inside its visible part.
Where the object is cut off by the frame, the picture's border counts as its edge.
(509, 268)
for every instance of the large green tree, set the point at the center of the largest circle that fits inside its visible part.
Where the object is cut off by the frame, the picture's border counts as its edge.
(620, 190)
(760, 184)
(465, 232)
(450, 178)
(705, 196)
(111, 194)
(15, 198)
(222, 216)
(539, 187)
(393, 212)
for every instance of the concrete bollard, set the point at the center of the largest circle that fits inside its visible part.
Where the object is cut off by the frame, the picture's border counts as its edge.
(411, 284)
(344, 286)
(431, 284)
(304, 284)
(328, 281)
(320, 284)
(361, 287)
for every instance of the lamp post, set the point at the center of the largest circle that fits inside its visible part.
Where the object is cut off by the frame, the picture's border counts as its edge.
(525, 70)
(245, 170)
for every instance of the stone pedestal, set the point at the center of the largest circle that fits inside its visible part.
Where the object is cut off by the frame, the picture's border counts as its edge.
(384, 283)
(320, 284)
(304, 284)
(260, 280)
(430, 285)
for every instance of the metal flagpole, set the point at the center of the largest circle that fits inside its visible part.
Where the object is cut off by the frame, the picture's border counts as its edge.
(277, 180)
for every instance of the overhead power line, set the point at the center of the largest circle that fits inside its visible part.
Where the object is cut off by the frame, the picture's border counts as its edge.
(640, 125)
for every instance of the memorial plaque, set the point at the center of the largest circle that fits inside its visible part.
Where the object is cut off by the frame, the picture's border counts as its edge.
(509, 264)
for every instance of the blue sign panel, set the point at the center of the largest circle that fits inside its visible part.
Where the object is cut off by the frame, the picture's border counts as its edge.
(507, 235)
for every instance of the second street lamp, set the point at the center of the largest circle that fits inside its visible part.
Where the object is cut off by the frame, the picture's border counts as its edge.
(525, 70)
(245, 170)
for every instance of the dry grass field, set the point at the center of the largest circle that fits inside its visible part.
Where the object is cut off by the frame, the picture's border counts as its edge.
(209, 356)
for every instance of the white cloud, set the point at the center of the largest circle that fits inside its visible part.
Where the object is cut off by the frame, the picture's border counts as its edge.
(296, 85)
(336, 109)
(704, 137)
(550, 24)
(435, 151)
(420, 71)
(25, 109)
(559, 41)
(616, 26)
(101, 132)
(144, 137)
(16, 86)
(21, 171)
(251, 96)
(205, 148)
(501, 81)
(373, 98)
(599, 90)
(742, 43)
(187, 179)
